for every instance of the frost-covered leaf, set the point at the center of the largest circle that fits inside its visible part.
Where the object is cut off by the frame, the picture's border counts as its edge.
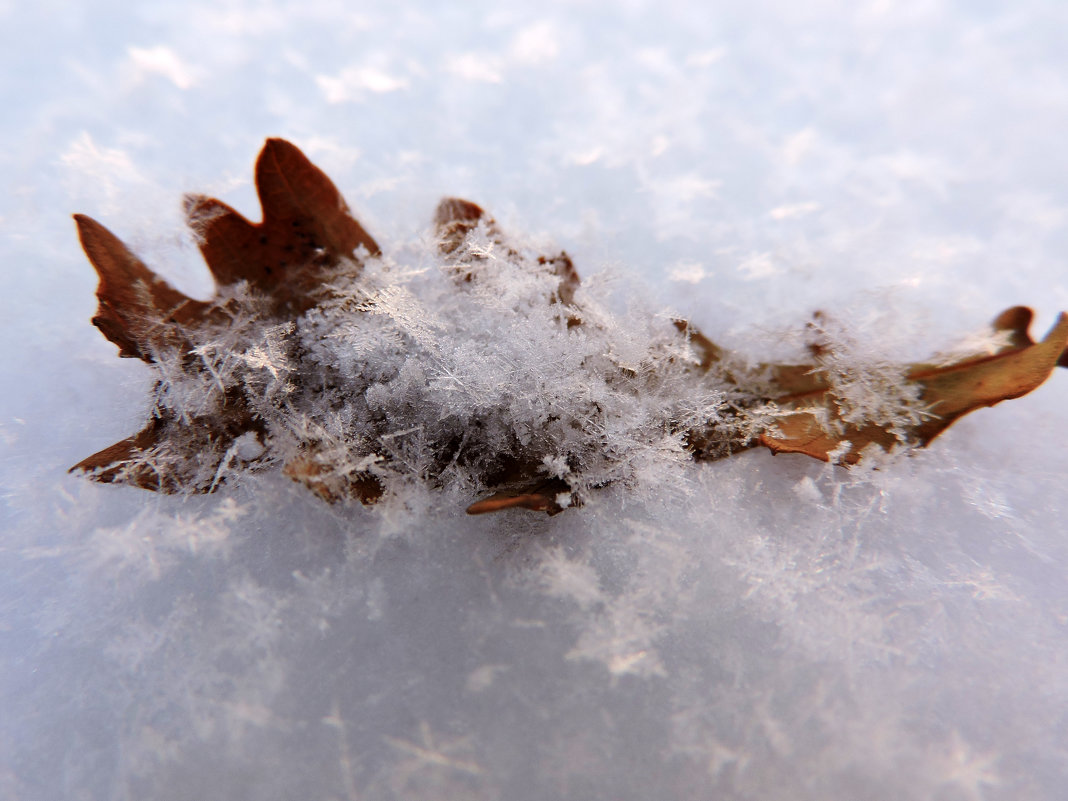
(126, 461)
(333, 483)
(496, 373)
(945, 393)
(139, 311)
(307, 231)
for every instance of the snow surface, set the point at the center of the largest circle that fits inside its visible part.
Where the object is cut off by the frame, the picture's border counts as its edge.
(757, 628)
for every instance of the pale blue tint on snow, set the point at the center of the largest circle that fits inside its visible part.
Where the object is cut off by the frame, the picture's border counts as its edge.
(757, 628)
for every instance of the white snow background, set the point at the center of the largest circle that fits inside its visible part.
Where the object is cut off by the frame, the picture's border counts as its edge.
(765, 627)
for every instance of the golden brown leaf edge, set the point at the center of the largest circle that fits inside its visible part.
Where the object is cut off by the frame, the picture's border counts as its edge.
(308, 233)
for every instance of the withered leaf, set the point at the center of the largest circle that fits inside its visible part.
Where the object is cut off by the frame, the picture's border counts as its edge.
(542, 496)
(172, 454)
(125, 460)
(138, 311)
(330, 484)
(306, 228)
(948, 392)
(454, 219)
(308, 237)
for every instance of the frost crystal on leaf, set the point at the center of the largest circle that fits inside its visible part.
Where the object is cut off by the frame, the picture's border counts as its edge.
(496, 372)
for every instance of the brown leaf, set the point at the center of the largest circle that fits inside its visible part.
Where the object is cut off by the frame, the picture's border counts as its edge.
(125, 462)
(539, 497)
(948, 392)
(138, 311)
(454, 219)
(329, 484)
(306, 228)
(564, 268)
(307, 232)
(709, 352)
(172, 454)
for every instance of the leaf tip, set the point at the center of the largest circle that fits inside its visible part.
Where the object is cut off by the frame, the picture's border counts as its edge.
(1017, 321)
(543, 497)
(454, 209)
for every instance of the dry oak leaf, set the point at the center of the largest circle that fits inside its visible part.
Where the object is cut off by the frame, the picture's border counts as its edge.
(308, 234)
(307, 230)
(947, 392)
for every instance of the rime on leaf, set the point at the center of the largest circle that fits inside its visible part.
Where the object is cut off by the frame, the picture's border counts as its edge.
(124, 461)
(947, 393)
(330, 484)
(308, 237)
(139, 311)
(520, 484)
(307, 231)
(454, 219)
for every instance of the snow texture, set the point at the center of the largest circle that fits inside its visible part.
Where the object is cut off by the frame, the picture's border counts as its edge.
(755, 628)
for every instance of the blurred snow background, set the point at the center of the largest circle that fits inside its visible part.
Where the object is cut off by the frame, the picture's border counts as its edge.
(775, 629)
